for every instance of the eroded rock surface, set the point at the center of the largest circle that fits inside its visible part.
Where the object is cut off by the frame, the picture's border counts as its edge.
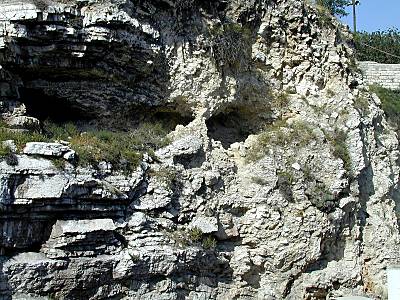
(288, 168)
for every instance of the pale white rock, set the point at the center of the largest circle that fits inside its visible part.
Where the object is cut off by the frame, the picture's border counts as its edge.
(29, 165)
(205, 224)
(41, 187)
(296, 166)
(10, 144)
(82, 226)
(23, 122)
(211, 177)
(69, 155)
(284, 232)
(188, 145)
(157, 197)
(137, 220)
(353, 298)
(46, 149)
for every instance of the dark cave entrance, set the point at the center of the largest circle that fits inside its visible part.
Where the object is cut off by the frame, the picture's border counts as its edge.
(233, 125)
(45, 107)
(60, 111)
(170, 117)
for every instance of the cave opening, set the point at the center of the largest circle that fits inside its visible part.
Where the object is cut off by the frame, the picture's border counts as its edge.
(60, 111)
(172, 118)
(234, 125)
(45, 107)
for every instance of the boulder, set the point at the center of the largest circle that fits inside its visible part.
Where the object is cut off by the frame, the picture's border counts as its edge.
(48, 149)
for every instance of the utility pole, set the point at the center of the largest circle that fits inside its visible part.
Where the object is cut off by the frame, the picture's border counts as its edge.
(354, 3)
(354, 17)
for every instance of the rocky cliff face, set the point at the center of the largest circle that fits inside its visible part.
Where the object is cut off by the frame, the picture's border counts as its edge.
(280, 181)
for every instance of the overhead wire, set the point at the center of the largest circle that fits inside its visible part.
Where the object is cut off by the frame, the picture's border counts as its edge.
(382, 51)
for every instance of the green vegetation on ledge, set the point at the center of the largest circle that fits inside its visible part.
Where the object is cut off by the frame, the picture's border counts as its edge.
(124, 150)
(281, 134)
(194, 237)
(339, 147)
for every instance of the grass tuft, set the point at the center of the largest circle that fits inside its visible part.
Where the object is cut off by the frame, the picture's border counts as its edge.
(195, 235)
(124, 150)
(231, 46)
(339, 148)
(21, 137)
(280, 134)
(7, 154)
(209, 243)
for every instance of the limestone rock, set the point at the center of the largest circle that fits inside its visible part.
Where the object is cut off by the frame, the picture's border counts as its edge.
(47, 149)
(205, 224)
(24, 122)
(81, 238)
(10, 144)
(292, 180)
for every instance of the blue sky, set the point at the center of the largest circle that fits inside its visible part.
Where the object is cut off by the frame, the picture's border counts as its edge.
(376, 15)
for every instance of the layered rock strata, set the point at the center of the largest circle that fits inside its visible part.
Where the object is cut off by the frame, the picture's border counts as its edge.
(284, 185)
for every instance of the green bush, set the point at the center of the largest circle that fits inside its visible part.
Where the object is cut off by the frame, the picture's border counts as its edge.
(339, 148)
(59, 131)
(334, 7)
(280, 103)
(7, 154)
(231, 46)
(320, 196)
(124, 150)
(279, 133)
(324, 16)
(209, 243)
(195, 235)
(21, 137)
(316, 190)
(41, 4)
(361, 103)
(387, 41)
(285, 184)
(59, 163)
(165, 174)
(4, 150)
(390, 103)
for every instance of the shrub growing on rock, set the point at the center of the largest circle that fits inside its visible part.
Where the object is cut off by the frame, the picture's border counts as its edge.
(335, 7)
(280, 134)
(21, 137)
(124, 150)
(195, 235)
(7, 154)
(231, 46)
(209, 243)
(339, 148)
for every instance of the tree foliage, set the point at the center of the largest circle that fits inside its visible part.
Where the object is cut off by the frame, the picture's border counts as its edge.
(387, 41)
(335, 7)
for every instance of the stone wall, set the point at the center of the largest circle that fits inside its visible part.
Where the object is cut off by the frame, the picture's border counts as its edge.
(385, 75)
